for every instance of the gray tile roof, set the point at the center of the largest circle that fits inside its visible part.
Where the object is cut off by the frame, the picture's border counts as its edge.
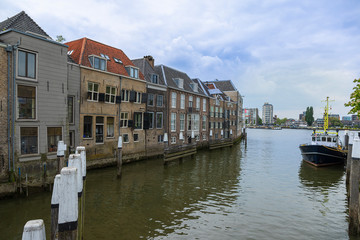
(22, 22)
(147, 70)
(224, 85)
(171, 74)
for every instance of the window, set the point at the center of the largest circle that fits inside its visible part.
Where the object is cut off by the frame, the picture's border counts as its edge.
(93, 91)
(160, 138)
(197, 138)
(136, 137)
(110, 94)
(191, 101)
(97, 63)
(29, 140)
(138, 120)
(26, 64)
(189, 121)
(26, 100)
(194, 87)
(71, 109)
(124, 117)
(179, 82)
(198, 104)
(110, 127)
(159, 100)
(87, 127)
(154, 78)
(182, 101)
(138, 97)
(54, 135)
(204, 137)
(212, 111)
(203, 122)
(125, 138)
(193, 122)
(159, 120)
(173, 99)
(133, 72)
(216, 112)
(204, 105)
(173, 139)
(150, 99)
(151, 120)
(182, 122)
(124, 95)
(173, 122)
(99, 130)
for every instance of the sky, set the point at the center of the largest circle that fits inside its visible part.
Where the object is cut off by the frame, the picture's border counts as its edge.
(292, 54)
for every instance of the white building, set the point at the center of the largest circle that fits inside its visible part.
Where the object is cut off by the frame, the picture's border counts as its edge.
(267, 113)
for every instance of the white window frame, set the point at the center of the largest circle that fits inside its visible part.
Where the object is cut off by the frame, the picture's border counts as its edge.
(158, 97)
(17, 104)
(92, 62)
(107, 127)
(197, 104)
(110, 94)
(36, 65)
(99, 124)
(141, 120)
(182, 101)
(151, 96)
(123, 138)
(138, 97)
(173, 139)
(151, 119)
(162, 119)
(173, 122)
(182, 122)
(93, 91)
(126, 120)
(126, 96)
(191, 102)
(173, 99)
(203, 122)
(204, 104)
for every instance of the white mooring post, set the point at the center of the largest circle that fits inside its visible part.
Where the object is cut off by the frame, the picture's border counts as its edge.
(119, 159)
(354, 188)
(55, 207)
(82, 151)
(61, 155)
(68, 204)
(34, 230)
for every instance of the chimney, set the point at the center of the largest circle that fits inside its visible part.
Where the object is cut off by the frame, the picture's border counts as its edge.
(151, 60)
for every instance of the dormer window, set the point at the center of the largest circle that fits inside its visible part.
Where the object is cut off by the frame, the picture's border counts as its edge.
(117, 60)
(70, 52)
(97, 62)
(155, 78)
(194, 87)
(105, 56)
(133, 72)
(179, 82)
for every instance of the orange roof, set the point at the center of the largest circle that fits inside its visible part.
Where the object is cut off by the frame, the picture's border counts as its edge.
(84, 47)
(210, 85)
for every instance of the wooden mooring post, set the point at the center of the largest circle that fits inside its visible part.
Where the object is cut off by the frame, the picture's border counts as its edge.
(354, 188)
(55, 208)
(119, 157)
(61, 155)
(81, 150)
(348, 162)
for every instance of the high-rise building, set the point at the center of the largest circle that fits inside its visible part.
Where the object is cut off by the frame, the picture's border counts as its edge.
(251, 116)
(267, 113)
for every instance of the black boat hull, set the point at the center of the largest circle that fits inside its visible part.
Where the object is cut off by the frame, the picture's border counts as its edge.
(319, 155)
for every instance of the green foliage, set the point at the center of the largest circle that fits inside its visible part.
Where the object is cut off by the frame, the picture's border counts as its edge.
(334, 122)
(259, 121)
(280, 121)
(309, 116)
(354, 102)
(60, 39)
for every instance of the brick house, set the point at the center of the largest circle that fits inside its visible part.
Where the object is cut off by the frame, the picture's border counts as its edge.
(156, 107)
(38, 97)
(228, 88)
(112, 102)
(187, 109)
(4, 159)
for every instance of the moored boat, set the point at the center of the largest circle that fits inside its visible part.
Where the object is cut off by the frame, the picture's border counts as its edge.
(325, 147)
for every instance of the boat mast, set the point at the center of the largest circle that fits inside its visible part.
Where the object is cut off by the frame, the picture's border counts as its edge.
(326, 115)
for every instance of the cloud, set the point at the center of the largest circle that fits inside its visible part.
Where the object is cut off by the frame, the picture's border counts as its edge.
(291, 54)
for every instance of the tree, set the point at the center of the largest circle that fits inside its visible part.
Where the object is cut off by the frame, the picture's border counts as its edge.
(354, 102)
(309, 116)
(259, 120)
(334, 122)
(60, 39)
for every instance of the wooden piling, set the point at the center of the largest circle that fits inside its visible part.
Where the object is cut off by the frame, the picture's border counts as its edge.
(354, 188)
(348, 164)
(55, 208)
(81, 150)
(61, 155)
(68, 204)
(119, 157)
(34, 230)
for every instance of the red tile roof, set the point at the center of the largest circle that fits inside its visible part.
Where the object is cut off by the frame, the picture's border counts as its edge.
(85, 47)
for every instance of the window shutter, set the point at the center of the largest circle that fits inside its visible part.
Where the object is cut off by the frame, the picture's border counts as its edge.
(144, 98)
(131, 123)
(146, 120)
(118, 99)
(101, 97)
(132, 96)
(209, 125)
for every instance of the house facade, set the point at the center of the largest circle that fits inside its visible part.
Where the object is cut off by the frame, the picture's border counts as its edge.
(155, 117)
(38, 96)
(112, 102)
(4, 158)
(187, 109)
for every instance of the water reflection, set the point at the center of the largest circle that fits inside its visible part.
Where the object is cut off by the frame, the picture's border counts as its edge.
(152, 200)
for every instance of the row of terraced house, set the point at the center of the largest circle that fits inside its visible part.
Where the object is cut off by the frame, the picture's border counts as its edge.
(86, 93)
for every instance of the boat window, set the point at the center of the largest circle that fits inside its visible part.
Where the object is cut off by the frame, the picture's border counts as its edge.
(318, 139)
(323, 139)
(313, 138)
(329, 139)
(334, 139)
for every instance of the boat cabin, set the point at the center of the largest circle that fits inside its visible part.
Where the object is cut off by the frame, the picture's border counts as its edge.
(325, 139)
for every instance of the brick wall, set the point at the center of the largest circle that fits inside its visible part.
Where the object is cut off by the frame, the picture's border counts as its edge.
(3, 113)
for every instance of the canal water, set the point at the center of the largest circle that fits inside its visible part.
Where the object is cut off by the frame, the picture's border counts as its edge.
(261, 190)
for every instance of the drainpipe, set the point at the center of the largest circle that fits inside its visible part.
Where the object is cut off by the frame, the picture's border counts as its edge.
(119, 105)
(13, 106)
(9, 50)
